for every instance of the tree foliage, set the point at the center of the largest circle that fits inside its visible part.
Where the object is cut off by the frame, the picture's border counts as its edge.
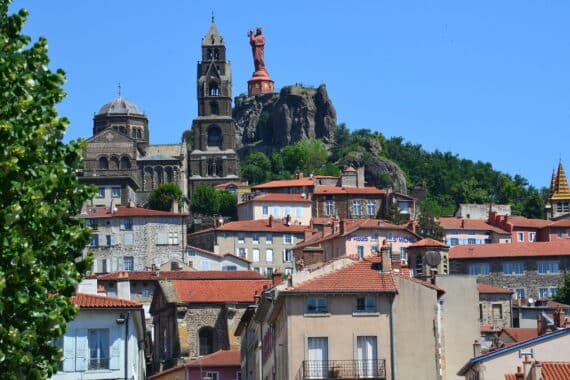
(563, 292)
(227, 203)
(40, 195)
(207, 200)
(162, 197)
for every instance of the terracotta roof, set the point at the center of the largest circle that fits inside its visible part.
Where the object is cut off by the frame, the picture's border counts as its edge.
(428, 242)
(280, 197)
(219, 290)
(232, 184)
(560, 223)
(488, 328)
(285, 183)
(217, 359)
(358, 276)
(521, 221)
(348, 190)
(484, 288)
(461, 224)
(520, 334)
(555, 370)
(262, 225)
(124, 211)
(183, 275)
(92, 301)
(535, 249)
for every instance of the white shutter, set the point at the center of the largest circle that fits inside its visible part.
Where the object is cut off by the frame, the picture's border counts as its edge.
(115, 349)
(283, 256)
(81, 350)
(69, 351)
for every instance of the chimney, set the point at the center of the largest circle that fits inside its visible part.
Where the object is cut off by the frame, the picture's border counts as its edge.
(341, 227)
(130, 203)
(277, 277)
(396, 262)
(385, 255)
(541, 325)
(527, 363)
(335, 225)
(270, 221)
(462, 223)
(307, 233)
(519, 375)
(299, 175)
(536, 371)
(289, 281)
(256, 297)
(174, 206)
(559, 318)
(476, 348)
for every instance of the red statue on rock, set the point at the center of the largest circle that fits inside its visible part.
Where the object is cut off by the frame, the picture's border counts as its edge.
(260, 83)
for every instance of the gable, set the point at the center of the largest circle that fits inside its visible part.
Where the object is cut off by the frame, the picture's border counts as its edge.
(109, 136)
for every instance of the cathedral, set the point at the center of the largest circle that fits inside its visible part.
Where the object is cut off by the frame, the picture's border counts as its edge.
(125, 167)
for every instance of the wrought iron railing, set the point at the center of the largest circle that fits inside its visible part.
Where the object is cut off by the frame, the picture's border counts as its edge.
(101, 363)
(344, 369)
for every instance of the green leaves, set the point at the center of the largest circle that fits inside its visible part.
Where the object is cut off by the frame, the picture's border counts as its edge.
(162, 197)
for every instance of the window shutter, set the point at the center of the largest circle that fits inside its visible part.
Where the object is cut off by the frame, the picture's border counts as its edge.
(283, 256)
(292, 239)
(69, 351)
(115, 349)
(80, 350)
(128, 238)
(162, 238)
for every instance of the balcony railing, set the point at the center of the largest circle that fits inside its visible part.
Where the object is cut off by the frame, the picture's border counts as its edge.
(344, 369)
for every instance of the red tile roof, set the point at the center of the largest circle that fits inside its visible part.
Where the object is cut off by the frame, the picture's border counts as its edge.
(183, 275)
(285, 183)
(520, 334)
(489, 328)
(281, 197)
(261, 225)
(232, 184)
(217, 359)
(522, 222)
(92, 301)
(358, 276)
(555, 370)
(428, 242)
(484, 288)
(560, 223)
(532, 249)
(124, 211)
(348, 190)
(452, 223)
(219, 290)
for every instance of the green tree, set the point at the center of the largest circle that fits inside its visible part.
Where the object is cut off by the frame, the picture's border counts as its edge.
(204, 200)
(227, 203)
(162, 197)
(256, 168)
(428, 227)
(42, 241)
(563, 292)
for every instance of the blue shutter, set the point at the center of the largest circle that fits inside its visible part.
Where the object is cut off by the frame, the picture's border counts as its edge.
(80, 350)
(69, 351)
(115, 350)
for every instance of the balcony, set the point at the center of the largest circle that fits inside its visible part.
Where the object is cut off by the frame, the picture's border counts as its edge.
(344, 369)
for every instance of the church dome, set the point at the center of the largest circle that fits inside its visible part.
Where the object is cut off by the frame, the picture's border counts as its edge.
(120, 106)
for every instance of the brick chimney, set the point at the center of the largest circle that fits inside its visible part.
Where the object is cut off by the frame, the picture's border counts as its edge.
(256, 297)
(476, 348)
(559, 318)
(519, 375)
(527, 363)
(536, 371)
(385, 255)
(270, 221)
(277, 277)
(541, 325)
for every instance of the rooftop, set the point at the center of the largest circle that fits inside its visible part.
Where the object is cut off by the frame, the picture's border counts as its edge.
(219, 290)
(183, 275)
(125, 211)
(484, 288)
(92, 301)
(452, 223)
(120, 106)
(497, 250)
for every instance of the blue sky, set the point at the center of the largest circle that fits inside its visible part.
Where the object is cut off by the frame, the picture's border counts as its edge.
(487, 80)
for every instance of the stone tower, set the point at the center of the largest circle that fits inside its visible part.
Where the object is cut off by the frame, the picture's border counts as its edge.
(212, 158)
(558, 203)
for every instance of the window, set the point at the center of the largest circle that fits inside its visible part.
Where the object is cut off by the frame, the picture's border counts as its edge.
(94, 242)
(471, 241)
(367, 356)
(269, 255)
(543, 293)
(287, 210)
(101, 192)
(298, 212)
(360, 251)
(229, 267)
(238, 375)
(329, 207)
(98, 342)
(532, 236)
(173, 238)
(453, 241)
(116, 192)
(513, 268)
(371, 207)
(127, 225)
(212, 375)
(404, 207)
(553, 291)
(241, 252)
(206, 340)
(162, 238)
(269, 239)
(365, 304)
(403, 253)
(265, 210)
(214, 136)
(287, 239)
(241, 238)
(287, 255)
(269, 272)
(356, 208)
(255, 238)
(314, 305)
(204, 265)
(109, 239)
(559, 235)
(276, 211)
(318, 352)
(103, 163)
(548, 267)
(520, 236)
(479, 269)
(520, 293)
(255, 255)
(497, 310)
(92, 223)
(128, 263)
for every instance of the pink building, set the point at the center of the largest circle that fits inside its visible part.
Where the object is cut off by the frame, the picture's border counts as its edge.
(220, 365)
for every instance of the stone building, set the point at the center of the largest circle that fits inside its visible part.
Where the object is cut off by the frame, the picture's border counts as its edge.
(495, 306)
(212, 158)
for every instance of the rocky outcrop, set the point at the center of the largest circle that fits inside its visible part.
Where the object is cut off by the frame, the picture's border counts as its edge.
(379, 171)
(276, 120)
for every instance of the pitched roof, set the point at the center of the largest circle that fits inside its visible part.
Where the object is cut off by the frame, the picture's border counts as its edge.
(285, 183)
(348, 190)
(488, 328)
(532, 249)
(124, 211)
(555, 370)
(217, 359)
(452, 223)
(560, 223)
(522, 222)
(92, 301)
(239, 185)
(183, 275)
(261, 225)
(210, 253)
(520, 334)
(428, 242)
(219, 290)
(359, 276)
(484, 288)
(280, 197)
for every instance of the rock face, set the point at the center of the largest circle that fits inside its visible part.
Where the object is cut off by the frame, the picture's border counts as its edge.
(276, 120)
(379, 171)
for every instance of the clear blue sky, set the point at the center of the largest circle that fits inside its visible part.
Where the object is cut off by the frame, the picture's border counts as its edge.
(487, 80)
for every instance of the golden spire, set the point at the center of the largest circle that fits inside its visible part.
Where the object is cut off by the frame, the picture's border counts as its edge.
(560, 189)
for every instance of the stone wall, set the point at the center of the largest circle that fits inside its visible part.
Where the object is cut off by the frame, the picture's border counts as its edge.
(495, 303)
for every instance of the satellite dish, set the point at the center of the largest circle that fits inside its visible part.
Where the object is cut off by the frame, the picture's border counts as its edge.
(433, 258)
(530, 300)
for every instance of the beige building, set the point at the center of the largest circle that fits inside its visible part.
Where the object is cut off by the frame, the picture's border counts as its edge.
(292, 208)
(348, 319)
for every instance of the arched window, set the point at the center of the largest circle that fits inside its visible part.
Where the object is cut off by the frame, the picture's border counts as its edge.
(206, 337)
(103, 163)
(214, 136)
(114, 163)
(214, 89)
(159, 175)
(125, 163)
(169, 174)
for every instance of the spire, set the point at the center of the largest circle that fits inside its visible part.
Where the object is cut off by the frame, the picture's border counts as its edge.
(560, 190)
(213, 37)
(553, 182)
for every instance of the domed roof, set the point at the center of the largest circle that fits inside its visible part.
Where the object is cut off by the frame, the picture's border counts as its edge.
(120, 106)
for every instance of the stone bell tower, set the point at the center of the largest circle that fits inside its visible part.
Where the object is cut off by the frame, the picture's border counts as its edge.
(212, 158)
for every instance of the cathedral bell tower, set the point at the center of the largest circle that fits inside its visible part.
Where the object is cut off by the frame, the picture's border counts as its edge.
(213, 159)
